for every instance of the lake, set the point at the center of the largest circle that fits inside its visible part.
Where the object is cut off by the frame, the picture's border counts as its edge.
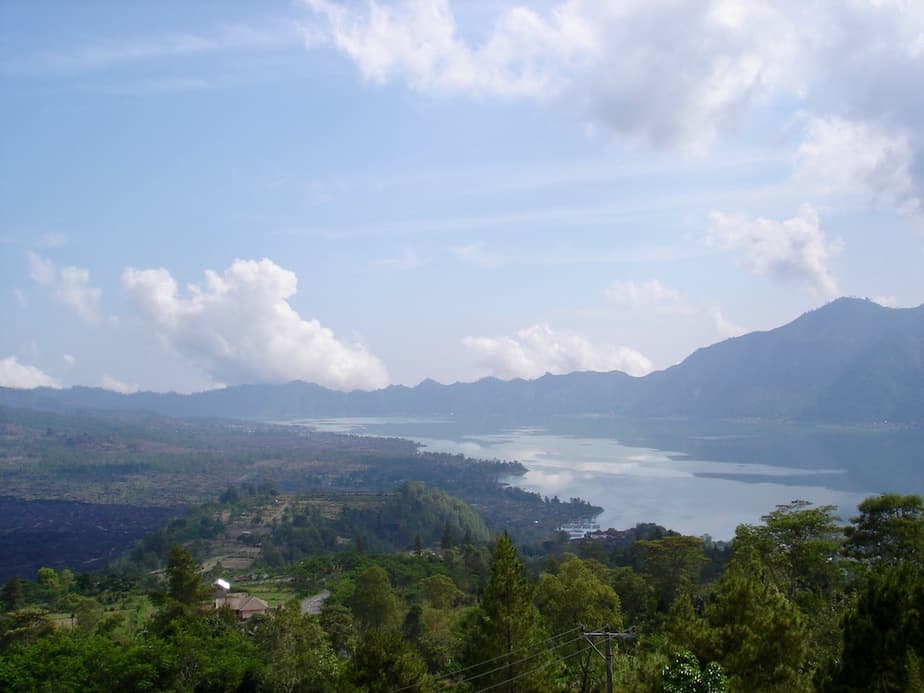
(720, 479)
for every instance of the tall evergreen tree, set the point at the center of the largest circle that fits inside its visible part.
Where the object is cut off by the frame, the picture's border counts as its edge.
(889, 529)
(509, 648)
(373, 601)
(184, 581)
(884, 634)
(757, 634)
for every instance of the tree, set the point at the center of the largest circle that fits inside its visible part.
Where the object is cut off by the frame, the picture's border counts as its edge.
(798, 544)
(440, 591)
(12, 594)
(337, 622)
(299, 654)
(684, 675)
(575, 596)
(508, 644)
(447, 541)
(636, 595)
(373, 601)
(184, 581)
(884, 633)
(23, 625)
(385, 662)
(758, 635)
(889, 528)
(671, 563)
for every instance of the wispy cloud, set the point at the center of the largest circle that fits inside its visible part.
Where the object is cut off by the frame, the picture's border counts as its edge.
(475, 254)
(650, 294)
(70, 285)
(407, 260)
(52, 240)
(105, 54)
(161, 85)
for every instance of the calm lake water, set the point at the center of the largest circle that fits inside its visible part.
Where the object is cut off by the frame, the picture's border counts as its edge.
(633, 483)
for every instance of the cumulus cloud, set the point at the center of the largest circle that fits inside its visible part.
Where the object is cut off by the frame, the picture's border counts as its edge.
(792, 250)
(69, 360)
(19, 375)
(70, 285)
(539, 349)
(652, 293)
(723, 326)
(417, 41)
(108, 382)
(668, 81)
(859, 159)
(886, 301)
(240, 328)
(672, 73)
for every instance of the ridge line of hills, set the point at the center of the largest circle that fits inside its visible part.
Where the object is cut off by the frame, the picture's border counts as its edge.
(850, 361)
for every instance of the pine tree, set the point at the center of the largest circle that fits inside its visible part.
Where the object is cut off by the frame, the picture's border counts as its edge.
(758, 635)
(508, 637)
(373, 601)
(447, 541)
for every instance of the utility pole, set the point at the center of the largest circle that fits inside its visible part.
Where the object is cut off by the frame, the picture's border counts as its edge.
(607, 653)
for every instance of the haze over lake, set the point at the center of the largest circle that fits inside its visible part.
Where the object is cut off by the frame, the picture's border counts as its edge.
(633, 484)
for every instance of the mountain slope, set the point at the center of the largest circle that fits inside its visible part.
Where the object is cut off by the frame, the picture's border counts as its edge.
(785, 373)
(851, 360)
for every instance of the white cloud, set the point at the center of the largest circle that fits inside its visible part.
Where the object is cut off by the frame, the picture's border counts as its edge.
(70, 286)
(792, 250)
(21, 298)
(18, 375)
(669, 71)
(69, 360)
(539, 349)
(723, 326)
(240, 328)
(475, 254)
(107, 382)
(407, 260)
(887, 301)
(419, 41)
(859, 159)
(652, 293)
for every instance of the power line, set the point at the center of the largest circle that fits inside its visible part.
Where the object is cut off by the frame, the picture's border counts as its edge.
(520, 661)
(608, 636)
(502, 656)
(533, 671)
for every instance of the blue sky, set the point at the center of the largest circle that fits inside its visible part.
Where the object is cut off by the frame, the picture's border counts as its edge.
(358, 194)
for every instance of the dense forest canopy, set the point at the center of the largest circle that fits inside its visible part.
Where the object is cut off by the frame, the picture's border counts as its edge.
(795, 602)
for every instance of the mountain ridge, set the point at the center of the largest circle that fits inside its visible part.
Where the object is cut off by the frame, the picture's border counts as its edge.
(850, 361)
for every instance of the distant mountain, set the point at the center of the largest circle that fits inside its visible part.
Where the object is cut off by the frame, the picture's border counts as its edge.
(849, 361)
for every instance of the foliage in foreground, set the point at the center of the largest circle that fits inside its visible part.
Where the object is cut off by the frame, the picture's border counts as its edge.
(800, 605)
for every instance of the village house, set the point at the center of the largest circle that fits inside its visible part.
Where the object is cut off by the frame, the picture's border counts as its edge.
(242, 604)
